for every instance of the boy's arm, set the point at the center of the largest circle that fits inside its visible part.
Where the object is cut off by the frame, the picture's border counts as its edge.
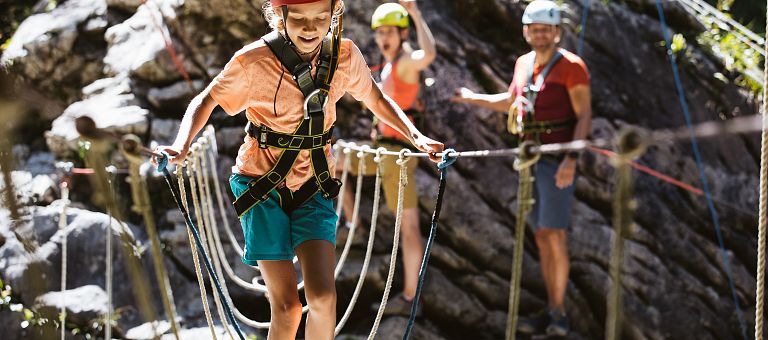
(195, 118)
(388, 112)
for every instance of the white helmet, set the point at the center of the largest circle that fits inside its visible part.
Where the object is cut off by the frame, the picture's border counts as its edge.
(541, 12)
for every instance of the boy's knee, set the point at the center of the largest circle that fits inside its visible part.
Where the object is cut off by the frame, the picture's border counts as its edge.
(323, 300)
(287, 313)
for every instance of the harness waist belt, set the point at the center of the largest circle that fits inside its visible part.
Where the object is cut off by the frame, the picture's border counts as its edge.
(267, 137)
(548, 126)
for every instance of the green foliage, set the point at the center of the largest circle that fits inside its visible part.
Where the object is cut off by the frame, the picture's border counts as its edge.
(737, 56)
(678, 43)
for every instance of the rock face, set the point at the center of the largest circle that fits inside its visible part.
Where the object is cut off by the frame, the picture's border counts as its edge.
(83, 304)
(64, 46)
(675, 279)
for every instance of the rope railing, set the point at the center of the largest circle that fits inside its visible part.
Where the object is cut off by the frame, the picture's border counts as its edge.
(739, 125)
(199, 164)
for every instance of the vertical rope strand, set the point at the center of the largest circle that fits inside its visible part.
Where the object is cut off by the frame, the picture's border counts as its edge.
(402, 162)
(63, 229)
(763, 206)
(195, 258)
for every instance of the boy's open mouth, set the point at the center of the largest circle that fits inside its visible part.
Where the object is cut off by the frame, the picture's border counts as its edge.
(308, 40)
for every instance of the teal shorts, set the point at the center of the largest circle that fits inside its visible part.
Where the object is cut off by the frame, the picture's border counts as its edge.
(271, 234)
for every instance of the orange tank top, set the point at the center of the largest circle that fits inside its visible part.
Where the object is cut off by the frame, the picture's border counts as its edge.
(404, 94)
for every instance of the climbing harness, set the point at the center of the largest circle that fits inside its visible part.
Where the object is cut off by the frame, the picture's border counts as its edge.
(443, 166)
(521, 120)
(309, 134)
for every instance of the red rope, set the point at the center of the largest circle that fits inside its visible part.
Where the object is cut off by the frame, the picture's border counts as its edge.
(654, 173)
(169, 46)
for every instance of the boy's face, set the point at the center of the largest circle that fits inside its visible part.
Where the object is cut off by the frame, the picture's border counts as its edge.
(388, 39)
(307, 24)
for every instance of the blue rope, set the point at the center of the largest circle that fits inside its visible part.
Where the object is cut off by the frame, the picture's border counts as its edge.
(700, 165)
(584, 14)
(162, 163)
(443, 166)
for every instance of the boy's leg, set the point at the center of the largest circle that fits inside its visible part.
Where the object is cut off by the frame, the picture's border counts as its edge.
(317, 259)
(313, 233)
(284, 304)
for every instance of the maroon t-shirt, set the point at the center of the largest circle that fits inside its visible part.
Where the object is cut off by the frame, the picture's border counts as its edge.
(553, 101)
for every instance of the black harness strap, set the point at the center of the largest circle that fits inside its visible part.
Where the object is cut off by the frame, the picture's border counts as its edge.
(270, 138)
(309, 135)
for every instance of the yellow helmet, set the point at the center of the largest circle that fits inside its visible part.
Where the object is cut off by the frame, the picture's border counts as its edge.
(390, 14)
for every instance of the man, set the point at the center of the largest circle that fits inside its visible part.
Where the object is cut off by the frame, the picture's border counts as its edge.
(554, 109)
(400, 79)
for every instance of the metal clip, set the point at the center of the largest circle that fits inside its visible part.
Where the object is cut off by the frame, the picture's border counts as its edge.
(263, 136)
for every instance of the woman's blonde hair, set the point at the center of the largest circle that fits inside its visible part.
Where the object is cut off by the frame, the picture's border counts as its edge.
(275, 19)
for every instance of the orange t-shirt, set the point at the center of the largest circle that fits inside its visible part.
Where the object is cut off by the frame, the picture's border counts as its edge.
(404, 94)
(249, 82)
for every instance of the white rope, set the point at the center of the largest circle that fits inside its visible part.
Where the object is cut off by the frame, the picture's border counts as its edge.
(195, 175)
(395, 242)
(201, 227)
(210, 134)
(369, 248)
(108, 279)
(63, 229)
(142, 205)
(344, 174)
(763, 209)
(195, 258)
(355, 210)
(212, 247)
(217, 246)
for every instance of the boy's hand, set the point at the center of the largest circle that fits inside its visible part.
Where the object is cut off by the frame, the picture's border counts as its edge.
(176, 155)
(429, 146)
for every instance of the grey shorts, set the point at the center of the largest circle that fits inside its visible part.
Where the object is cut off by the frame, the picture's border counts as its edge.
(553, 205)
